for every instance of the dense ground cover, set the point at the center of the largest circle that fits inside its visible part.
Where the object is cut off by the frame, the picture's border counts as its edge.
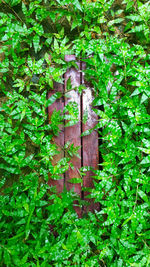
(118, 234)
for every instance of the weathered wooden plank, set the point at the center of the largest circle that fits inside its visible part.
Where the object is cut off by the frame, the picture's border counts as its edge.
(58, 140)
(72, 133)
(89, 151)
(90, 142)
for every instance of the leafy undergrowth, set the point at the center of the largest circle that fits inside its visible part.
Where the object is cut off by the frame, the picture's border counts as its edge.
(39, 227)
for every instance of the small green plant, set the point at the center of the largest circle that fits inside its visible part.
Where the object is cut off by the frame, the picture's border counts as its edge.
(39, 227)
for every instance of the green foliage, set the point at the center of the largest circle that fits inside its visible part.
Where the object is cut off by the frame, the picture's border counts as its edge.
(39, 227)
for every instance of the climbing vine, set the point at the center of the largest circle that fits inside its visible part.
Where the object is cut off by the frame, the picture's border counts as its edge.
(39, 227)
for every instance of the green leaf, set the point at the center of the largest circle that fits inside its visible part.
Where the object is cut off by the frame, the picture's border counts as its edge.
(24, 9)
(56, 46)
(75, 23)
(145, 150)
(85, 116)
(134, 17)
(10, 169)
(128, 219)
(75, 180)
(146, 160)
(27, 160)
(25, 258)
(139, 28)
(48, 58)
(144, 98)
(101, 113)
(36, 42)
(69, 85)
(17, 236)
(98, 101)
(115, 21)
(2, 182)
(143, 195)
(53, 98)
(87, 132)
(136, 92)
(7, 259)
(79, 237)
(19, 83)
(77, 5)
(27, 229)
(137, 83)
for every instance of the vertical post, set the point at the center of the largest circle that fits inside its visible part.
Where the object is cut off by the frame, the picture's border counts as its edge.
(72, 133)
(90, 142)
(58, 140)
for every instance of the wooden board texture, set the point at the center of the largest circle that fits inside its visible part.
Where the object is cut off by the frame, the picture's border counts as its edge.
(90, 142)
(59, 140)
(72, 133)
(88, 151)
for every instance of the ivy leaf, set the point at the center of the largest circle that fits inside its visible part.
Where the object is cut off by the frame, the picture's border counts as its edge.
(48, 58)
(134, 17)
(115, 21)
(19, 83)
(146, 160)
(75, 23)
(75, 181)
(79, 237)
(85, 116)
(53, 98)
(36, 42)
(24, 259)
(6, 256)
(98, 101)
(139, 28)
(145, 150)
(136, 92)
(101, 113)
(69, 85)
(27, 160)
(71, 122)
(24, 9)
(81, 88)
(27, 229)
(10, 169)
(87, 132)
(137, 83)
(143, 195)
(56, 46)
(77, 5)
(144, 98)
(2, 182)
